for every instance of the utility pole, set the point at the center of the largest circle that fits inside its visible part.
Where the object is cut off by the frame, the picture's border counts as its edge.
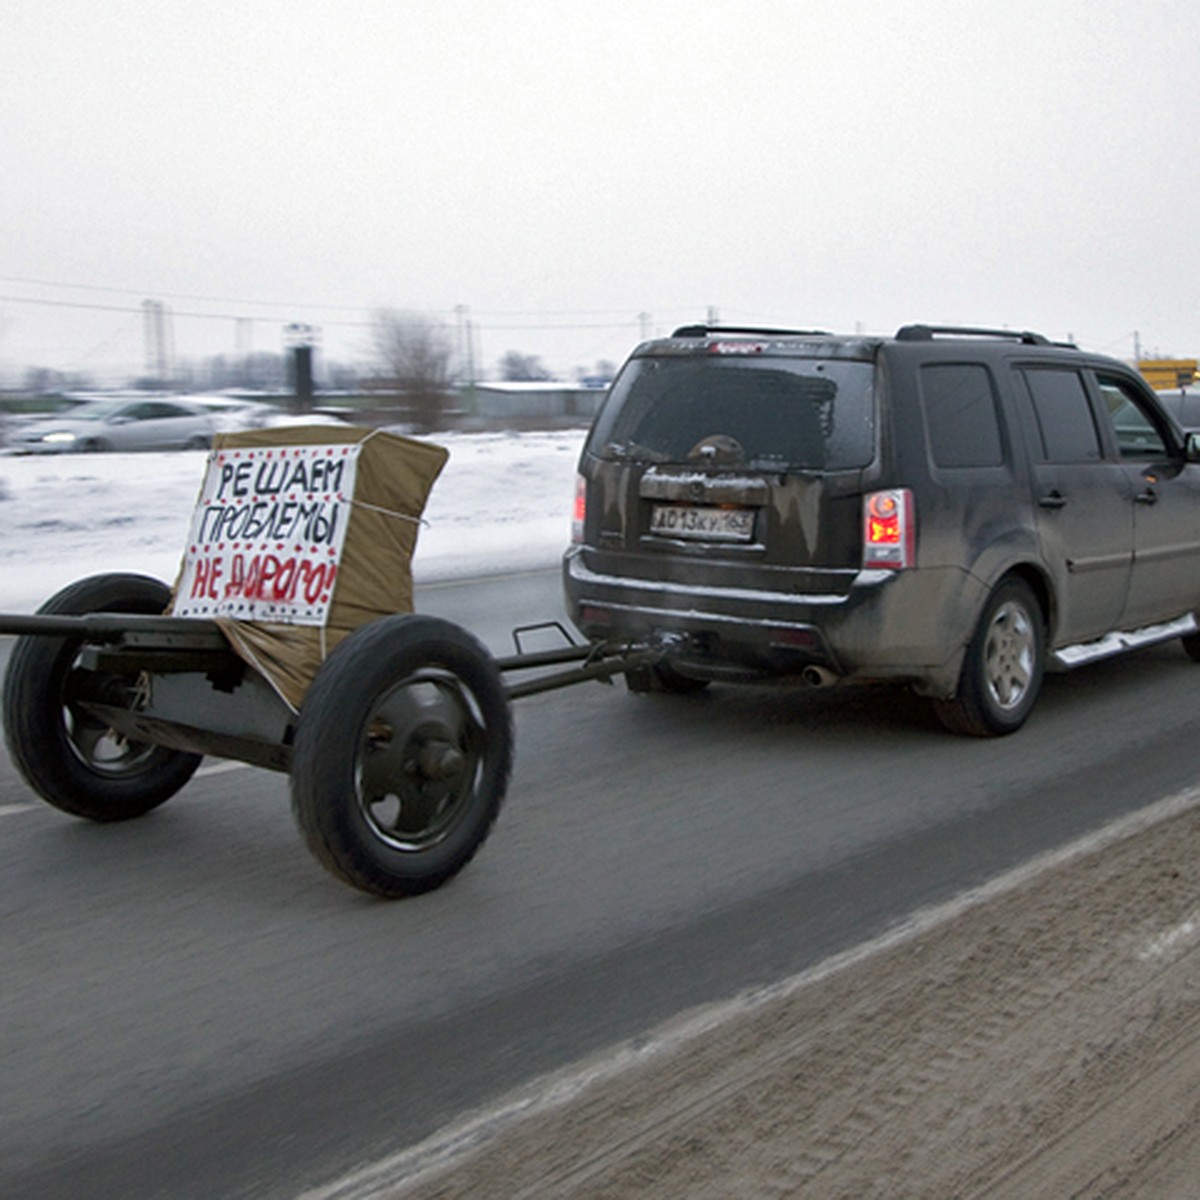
(244, 338)
(155, 335)
(466, 345)
(465, 337)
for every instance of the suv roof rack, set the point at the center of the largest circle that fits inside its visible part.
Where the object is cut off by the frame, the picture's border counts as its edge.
(926, 333)
(699, 331)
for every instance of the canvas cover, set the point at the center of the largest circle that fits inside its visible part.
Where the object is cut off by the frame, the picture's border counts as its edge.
(300, 535)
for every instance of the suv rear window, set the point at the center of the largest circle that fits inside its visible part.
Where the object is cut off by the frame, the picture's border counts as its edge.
(769, 414)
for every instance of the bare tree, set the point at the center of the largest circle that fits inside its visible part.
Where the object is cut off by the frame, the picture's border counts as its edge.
(515, 366)
(414, 352)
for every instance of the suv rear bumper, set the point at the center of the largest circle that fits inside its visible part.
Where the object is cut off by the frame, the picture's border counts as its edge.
(901, 625)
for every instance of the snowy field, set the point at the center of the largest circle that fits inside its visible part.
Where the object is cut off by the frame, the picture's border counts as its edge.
(503, 503)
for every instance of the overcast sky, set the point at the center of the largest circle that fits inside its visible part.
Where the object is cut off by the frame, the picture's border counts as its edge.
(575, 172)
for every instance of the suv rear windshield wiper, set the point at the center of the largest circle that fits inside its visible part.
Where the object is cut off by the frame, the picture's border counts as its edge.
(633, 452)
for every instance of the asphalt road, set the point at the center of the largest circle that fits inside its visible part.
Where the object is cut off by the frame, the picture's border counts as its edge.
(190, 1007)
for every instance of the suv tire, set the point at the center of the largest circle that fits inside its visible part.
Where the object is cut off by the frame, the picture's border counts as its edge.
(1191, 646)
(1003, 668)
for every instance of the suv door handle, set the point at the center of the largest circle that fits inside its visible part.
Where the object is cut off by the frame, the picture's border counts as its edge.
(1053, 500)
(1149, 496)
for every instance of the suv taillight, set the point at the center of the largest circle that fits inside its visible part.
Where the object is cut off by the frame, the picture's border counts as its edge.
(889, 530)
(580, 510)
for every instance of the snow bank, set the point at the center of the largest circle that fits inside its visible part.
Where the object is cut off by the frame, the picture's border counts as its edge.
(502, 504)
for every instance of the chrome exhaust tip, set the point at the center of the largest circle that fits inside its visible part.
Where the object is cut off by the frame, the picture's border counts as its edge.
(818, 676)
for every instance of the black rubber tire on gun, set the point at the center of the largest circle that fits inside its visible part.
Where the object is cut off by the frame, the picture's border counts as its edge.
(402, 755)
(66, 755)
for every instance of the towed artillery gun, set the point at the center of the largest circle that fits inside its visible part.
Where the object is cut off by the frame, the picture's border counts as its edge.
(288, 642)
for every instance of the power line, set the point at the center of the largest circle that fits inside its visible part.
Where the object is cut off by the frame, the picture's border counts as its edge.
(306, 306)
(121, 291)
(178, 312)
(69, 304)
(544, 327)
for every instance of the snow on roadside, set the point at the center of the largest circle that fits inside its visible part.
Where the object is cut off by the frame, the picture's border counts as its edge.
(503, 503)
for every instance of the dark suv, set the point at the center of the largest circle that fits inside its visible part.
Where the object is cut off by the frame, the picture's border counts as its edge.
(953, 509)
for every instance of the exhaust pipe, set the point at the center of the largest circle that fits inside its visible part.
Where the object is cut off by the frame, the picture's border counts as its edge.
(818, 676)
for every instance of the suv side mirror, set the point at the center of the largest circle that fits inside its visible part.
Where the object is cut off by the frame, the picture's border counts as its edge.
(1191, 447)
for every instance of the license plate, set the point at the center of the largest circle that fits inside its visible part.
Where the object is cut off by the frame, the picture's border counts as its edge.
(704, 523)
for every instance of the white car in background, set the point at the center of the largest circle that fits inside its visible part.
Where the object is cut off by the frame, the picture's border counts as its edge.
(128, 424)
(231, 414)
(234, 413)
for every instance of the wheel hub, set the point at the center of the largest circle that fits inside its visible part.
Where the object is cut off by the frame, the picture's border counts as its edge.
(418, 763)
(1010, 655)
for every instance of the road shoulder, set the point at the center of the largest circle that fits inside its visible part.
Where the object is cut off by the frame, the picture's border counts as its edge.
(1044, 1039)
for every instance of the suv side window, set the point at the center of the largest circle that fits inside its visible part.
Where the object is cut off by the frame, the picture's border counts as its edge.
(1136, 434)
(1066, 424)
(960, 414)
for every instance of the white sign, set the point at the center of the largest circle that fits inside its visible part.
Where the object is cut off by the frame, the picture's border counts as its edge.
(267, 534)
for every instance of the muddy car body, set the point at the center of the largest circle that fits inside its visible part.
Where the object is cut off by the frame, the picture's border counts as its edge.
(951, 509)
